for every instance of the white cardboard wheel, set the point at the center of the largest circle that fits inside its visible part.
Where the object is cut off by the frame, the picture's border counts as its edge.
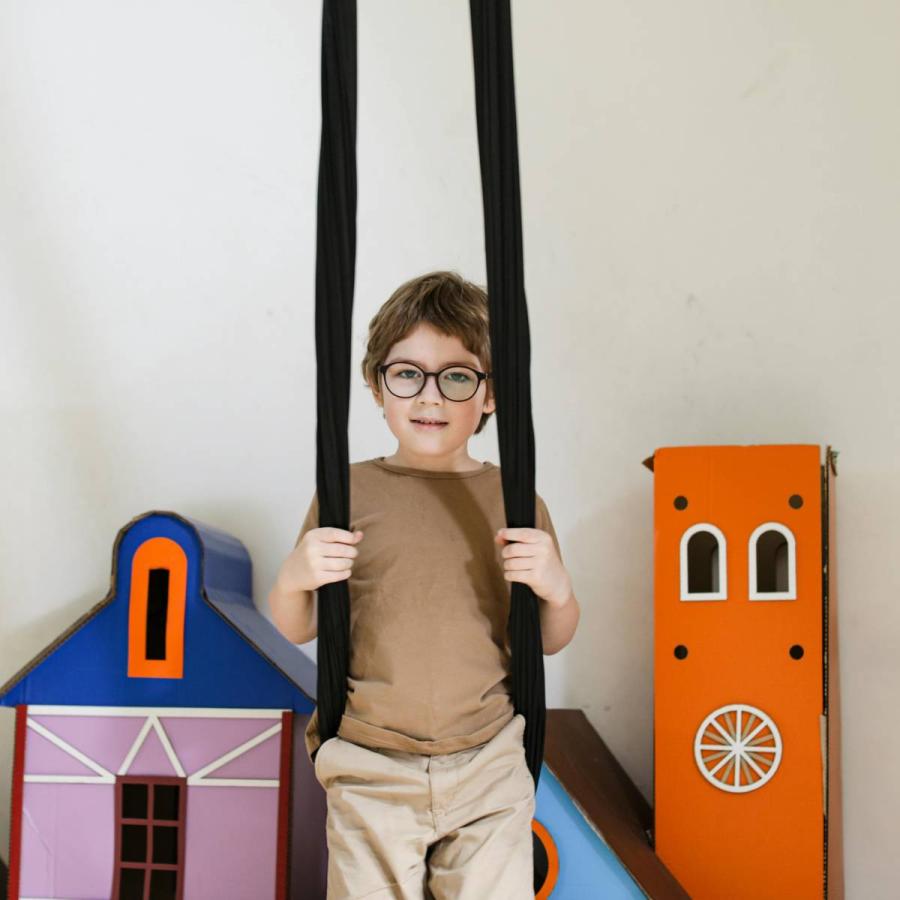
(737, 748)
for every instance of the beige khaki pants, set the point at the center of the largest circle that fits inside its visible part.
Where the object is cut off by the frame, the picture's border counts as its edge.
(456, 826)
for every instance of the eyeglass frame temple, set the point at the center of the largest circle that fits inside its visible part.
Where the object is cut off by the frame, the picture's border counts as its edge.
(482, 376)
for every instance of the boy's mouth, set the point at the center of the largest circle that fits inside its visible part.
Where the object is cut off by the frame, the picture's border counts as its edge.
(433, 424)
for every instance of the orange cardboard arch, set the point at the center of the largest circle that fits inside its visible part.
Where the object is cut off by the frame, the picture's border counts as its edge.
(546, 839)
(157, 556)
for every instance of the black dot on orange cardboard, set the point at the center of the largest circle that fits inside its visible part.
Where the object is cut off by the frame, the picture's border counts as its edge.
(796, 652)
(680, 502)
(796, 501)
(680, 651)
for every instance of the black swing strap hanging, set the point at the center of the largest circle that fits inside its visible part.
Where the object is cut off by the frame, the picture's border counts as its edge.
(335, 271)
(495, 103)
(335, 274)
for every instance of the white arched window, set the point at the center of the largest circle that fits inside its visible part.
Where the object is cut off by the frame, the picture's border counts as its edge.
(772, 557)
(704, 570)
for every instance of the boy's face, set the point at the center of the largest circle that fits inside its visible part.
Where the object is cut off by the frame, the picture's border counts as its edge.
(432, 350)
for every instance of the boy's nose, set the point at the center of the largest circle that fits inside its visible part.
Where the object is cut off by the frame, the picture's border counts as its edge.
(430, 389)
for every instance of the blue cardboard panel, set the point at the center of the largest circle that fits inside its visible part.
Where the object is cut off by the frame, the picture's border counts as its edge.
(588, 867)
(233, 656)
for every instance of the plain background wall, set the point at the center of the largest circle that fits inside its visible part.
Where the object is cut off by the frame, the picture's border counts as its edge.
(711, 210)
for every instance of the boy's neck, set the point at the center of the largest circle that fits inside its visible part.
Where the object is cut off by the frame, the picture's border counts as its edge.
(460, 462)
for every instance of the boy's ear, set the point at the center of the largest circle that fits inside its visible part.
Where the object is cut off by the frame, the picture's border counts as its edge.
(375, 392)
(490, 403)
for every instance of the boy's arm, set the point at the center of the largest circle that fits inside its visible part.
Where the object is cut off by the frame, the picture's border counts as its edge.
(295, 613)
(558, 608)
(559, 619)
(558, 623)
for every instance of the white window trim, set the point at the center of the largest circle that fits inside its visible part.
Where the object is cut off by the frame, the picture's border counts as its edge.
(200, 779)
(791, 592)
(163, 712)
(722, 593)
(152, 723)
(103, 776)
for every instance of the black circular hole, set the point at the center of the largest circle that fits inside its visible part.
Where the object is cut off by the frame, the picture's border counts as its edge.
(796, 652)
(680, 651)
(680, 502)
(796, 501)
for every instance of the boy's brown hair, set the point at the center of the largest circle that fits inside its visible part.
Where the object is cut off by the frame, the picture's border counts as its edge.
(444, 300)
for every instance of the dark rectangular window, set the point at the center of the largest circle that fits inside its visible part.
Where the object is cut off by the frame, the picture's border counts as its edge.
(149, 838)
(157, 613)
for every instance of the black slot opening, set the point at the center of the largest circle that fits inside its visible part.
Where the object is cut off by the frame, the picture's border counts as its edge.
(157, 613)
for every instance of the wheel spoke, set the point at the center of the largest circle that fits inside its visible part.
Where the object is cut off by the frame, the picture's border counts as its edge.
(754, 766)
(722, 763)
(730, 725)
(727, 771)
(725, 734)
(753, 733)
(708, 760)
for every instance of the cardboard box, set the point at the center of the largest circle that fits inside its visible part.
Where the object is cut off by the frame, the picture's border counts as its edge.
(747, 705)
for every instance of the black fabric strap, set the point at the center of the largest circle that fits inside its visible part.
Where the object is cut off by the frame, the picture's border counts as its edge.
(510, 341)
(495, 103)
(335, 274)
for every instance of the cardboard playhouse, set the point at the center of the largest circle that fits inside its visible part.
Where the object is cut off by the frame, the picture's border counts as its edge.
(159, 741)
(747, 784)
(159, 748)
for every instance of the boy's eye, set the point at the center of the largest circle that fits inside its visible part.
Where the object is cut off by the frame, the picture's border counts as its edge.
(458, 376)
(412, 372)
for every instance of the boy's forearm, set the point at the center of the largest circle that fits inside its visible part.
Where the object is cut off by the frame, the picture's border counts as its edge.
(294, 613)
(558, 623)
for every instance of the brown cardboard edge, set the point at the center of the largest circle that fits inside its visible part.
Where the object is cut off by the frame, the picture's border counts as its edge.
(834, 843)
(607, 798)
(831, 455)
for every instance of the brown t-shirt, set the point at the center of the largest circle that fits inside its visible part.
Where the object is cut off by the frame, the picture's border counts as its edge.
(429, 654)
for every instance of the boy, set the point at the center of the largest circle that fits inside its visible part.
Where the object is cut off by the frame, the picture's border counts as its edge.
(428, 790)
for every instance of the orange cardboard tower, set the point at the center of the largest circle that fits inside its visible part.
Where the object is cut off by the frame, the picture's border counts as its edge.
(747, 729)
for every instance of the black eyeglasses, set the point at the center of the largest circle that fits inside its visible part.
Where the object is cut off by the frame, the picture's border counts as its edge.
(457, 383)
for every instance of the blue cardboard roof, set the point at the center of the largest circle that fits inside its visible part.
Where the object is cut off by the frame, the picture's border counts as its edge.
(590, 867)
(233, 656)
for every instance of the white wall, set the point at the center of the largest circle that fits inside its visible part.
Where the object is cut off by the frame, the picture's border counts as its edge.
(711, 208)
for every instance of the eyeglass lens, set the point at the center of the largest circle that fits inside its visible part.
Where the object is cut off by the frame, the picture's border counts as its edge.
(455, 383)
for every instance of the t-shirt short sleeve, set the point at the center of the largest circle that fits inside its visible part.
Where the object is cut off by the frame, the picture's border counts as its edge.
(543, 521)
(311, 520)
